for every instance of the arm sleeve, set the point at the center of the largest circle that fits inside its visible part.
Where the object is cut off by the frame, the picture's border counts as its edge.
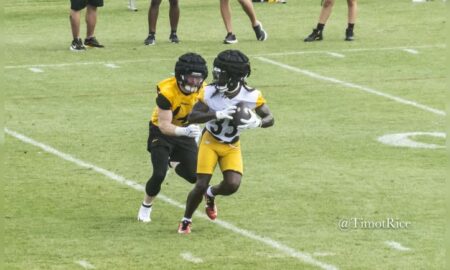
(163, 102)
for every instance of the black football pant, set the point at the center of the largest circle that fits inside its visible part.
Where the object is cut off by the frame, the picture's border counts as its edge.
(160, 160)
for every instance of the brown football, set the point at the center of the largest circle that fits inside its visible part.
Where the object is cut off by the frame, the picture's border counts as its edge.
(242, 112)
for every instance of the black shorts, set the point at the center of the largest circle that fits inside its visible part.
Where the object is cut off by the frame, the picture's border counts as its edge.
(80, 4)
(178, 146)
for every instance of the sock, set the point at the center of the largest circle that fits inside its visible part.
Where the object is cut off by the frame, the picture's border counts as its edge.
(209, 192)
(320, 26)
(186, 219)
(350, 26)
(173, 31)
(151, 33)
(146, 205)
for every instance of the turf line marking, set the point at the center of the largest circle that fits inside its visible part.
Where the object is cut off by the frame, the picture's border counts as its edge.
(323, 254)
(190, 258)
(397, 246)
(353, 50)
(85, 264)
(212, 56)
(301, 256)
(337, 55)
(411, 51)
(36, 70)
(111, 66)
(352, 85)
(404, 140)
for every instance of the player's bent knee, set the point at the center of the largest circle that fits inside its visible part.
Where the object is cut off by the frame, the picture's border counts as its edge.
(192, 179)
(152, 189)
(233, 187)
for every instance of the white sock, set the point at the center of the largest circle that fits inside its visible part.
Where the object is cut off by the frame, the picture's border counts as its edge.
(187, 219)
(209, 192)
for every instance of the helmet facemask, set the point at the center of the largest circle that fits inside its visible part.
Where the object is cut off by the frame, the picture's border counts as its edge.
(190, 83)
(224, 82)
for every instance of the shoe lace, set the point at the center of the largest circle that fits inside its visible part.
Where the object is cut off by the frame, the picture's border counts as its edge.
(209, 201)
(185, 225)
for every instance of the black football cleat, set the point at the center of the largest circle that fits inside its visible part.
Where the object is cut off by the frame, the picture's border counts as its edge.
(230, 39)
(315, 35)
(173, 38)
(77, 45)
(349, 34)
(260, 33)
(150, 40)
(92, 42)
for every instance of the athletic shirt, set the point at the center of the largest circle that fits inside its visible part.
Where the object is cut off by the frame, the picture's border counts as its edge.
(224, 130)
(170, 97)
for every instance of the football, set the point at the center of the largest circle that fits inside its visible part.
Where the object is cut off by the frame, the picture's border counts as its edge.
(242, 112)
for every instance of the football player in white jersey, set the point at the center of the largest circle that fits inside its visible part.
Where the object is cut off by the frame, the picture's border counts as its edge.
(220, 140)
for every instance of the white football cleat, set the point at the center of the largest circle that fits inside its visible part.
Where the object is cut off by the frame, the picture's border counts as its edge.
(144, 214)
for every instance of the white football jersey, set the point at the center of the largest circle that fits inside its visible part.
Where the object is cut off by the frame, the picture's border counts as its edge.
(225, 130)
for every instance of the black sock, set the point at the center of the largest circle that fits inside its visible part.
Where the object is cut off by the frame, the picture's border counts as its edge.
(350, 26)
(151, 33)
(173, 32)
(147, 206)
(320, 26)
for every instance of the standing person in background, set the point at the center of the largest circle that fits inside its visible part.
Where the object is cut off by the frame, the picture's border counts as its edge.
(91, 20)
(171, 136)
(174, 16)
(327, 6)
(247, 5)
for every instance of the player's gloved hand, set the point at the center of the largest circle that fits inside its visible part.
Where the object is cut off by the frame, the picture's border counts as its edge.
(226, 113)
(191, 131)
(253, 122)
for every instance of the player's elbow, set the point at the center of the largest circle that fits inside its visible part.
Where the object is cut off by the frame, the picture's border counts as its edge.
(268, 122)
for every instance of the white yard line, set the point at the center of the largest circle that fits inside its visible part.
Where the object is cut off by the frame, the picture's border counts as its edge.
(36, 70)
(190, 258)
(354, 50)
(301, 256)
(323, 254)
(337, 55)
(212, 56)
(85, 264)
(354, 86)
(411, 51)
(397, 246)
(111, 65)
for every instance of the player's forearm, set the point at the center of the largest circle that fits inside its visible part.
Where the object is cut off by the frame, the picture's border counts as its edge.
(198, 117)
(167, 129)
(267, 121)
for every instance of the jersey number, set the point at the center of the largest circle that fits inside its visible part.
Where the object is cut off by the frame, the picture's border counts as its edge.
(219, 128)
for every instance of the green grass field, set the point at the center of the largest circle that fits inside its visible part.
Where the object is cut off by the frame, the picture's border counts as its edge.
(320, 164)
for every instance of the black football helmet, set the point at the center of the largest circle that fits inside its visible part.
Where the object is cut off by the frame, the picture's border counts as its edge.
(190, 72)
(231, 68)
